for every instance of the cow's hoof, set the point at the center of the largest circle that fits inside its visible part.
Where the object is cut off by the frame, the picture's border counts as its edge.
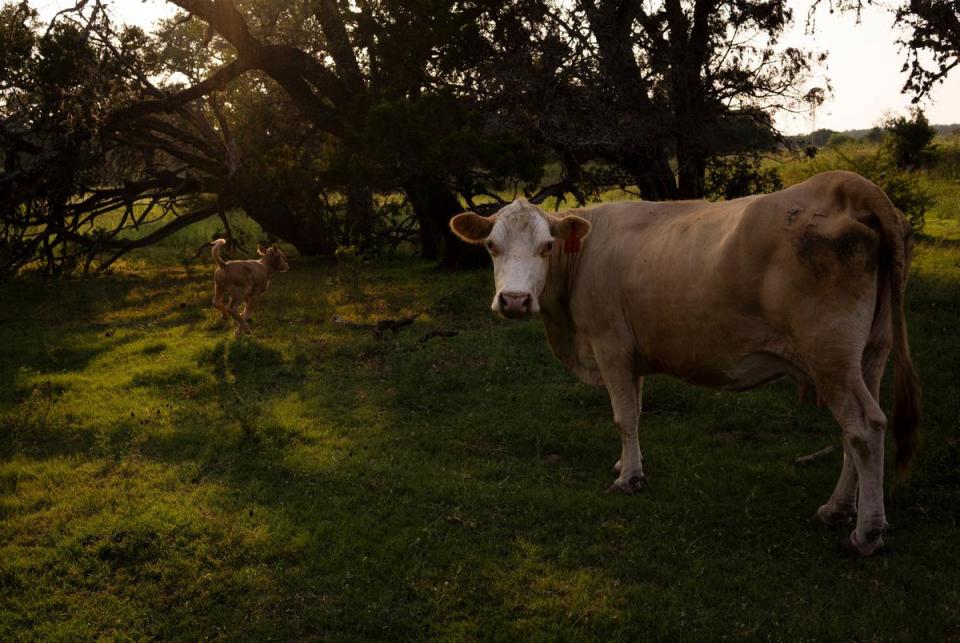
(617, 488)
(630, 487)
(833, 518)
(618, 467)
(852, 548)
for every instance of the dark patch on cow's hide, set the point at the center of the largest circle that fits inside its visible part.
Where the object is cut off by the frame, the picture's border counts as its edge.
(793, 214)
(820, 253)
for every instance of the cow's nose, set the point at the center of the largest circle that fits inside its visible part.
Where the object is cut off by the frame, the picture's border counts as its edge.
(515, 303)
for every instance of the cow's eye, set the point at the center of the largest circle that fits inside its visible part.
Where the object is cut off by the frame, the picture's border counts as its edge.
(547, 248)
(491, 247)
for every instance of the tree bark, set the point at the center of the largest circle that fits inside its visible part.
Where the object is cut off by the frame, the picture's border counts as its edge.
(360, 214)
(652, 173)
(689, 37)
(434, 205)
(611, 22)
(692, 168)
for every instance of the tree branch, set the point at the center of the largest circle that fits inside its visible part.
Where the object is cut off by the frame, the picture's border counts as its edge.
(215, 82)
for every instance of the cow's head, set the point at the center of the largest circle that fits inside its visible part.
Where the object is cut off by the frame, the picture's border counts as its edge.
(519, 238)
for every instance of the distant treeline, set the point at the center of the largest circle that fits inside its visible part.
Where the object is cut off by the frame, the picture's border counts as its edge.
(821, 137)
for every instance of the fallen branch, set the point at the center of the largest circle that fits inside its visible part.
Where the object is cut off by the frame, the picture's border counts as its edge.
(438, 333)
(807, 459)
(559, 190)
(393, 325)
(336, 319)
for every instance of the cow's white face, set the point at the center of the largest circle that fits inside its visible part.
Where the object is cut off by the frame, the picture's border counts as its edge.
(520, 239)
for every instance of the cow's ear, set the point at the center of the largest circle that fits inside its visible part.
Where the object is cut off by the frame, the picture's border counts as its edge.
(569, 227)
(471, 227)
(260, 250)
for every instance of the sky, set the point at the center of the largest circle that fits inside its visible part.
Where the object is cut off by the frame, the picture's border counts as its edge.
(863, 64)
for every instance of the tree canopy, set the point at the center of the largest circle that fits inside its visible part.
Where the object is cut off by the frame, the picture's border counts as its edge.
(369, 123)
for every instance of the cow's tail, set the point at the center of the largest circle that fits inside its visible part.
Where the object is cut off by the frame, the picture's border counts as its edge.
(896, 249)
(215, 251)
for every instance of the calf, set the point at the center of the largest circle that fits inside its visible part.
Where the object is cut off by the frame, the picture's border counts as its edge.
(244, 280)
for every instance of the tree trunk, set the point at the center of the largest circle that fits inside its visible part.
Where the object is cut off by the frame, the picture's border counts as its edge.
(692, 167)
(434, 205)
(360, 214)
(297, 226)
(651, 170)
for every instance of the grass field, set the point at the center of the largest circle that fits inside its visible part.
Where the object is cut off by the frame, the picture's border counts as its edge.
(160, 480)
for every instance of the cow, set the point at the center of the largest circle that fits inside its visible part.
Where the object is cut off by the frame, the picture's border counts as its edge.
(807, 283)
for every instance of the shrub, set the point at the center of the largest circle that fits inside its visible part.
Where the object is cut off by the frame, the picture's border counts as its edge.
(910, 139)
(736, 176)
(837, 139)
(875, 135)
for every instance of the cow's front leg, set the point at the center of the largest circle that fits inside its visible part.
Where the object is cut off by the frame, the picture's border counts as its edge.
(624, 389)
(618, 466)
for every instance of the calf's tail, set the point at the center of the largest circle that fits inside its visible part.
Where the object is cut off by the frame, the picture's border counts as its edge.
(215, 251)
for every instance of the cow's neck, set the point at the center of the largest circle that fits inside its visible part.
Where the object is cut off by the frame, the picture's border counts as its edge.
(561, 273)
(557, 318)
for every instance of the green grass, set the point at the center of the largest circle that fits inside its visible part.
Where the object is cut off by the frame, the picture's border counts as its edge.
(942, 181)
(160, 480)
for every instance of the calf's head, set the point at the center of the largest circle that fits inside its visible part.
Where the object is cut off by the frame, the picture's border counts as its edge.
(274, 257)
(520, 239)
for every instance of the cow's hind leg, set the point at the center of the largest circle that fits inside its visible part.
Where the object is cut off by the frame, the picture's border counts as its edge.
(842, 504)
(863, 425)
(622, 386)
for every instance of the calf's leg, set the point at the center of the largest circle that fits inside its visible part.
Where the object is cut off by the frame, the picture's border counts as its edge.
(242, 326)
(248, 305)
(218, 296)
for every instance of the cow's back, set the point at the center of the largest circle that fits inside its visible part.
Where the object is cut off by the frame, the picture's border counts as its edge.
(716, 293)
